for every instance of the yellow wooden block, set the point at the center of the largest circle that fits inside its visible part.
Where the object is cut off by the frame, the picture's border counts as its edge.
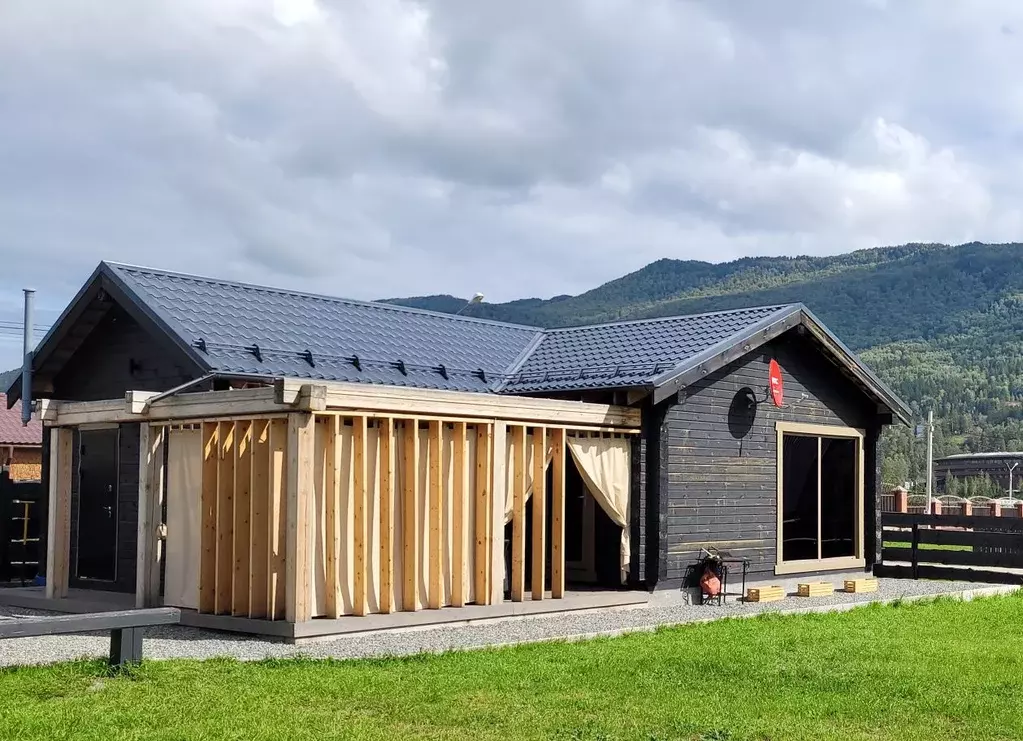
(861, 585)
(816, 589)
(765, 594)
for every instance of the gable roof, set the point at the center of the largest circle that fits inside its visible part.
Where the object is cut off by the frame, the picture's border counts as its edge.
(12, 432)
(244, 330)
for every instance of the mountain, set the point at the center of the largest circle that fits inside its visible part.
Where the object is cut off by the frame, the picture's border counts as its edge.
(943, 325)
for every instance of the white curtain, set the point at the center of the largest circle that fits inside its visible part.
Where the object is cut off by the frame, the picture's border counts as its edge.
(603, 463)
(509, 500)
(184, 524)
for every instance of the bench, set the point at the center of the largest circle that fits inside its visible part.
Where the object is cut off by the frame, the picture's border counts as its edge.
(125, 628)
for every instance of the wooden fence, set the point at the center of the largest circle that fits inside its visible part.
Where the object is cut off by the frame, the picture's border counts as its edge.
(961, 547)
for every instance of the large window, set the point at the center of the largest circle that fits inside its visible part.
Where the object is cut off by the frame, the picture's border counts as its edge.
(820, 491)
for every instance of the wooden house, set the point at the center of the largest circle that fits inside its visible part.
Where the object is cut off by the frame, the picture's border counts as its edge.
(21, 445)
(263, 457)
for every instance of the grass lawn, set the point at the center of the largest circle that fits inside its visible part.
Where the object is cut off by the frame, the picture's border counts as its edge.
(941, 670)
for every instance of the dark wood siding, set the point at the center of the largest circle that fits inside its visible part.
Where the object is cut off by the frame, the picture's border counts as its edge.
(721, 480)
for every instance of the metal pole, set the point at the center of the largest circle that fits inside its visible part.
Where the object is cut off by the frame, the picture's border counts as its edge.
(930, 457)
(1011, 469)
(26, 368)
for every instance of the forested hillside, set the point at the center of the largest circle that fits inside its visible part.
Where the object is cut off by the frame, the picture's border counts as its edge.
(943, 325)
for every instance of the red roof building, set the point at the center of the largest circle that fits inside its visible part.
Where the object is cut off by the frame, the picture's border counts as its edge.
(21, 447)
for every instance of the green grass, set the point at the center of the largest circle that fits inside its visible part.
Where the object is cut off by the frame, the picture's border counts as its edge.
(930, 546)
(941, 670)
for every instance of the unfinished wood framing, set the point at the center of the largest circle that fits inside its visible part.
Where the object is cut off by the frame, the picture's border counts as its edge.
(58, 526)
(151, 482)
(387, 481)
(460, 517)
(483, 535)
(558, 514)
(299, 494)
(360, 496)
(538, 510)
(410, 516)
(518, 566)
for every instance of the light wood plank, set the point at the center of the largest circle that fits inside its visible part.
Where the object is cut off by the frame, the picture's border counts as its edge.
(208, 499)
(331, 428)
(539, 512)
(277, 567)
(225, 518)
(360, 494)
(410, 517)
(242, 517)
(558, 515)
(300, 499)
(151, 474)
(259, 556)
(58, 525)
(499, 494)
(518, 575)
(482, 529)
(436, 510)
(386, 463)
(460, 516)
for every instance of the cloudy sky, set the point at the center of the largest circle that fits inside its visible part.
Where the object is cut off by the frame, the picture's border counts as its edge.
(373, 148)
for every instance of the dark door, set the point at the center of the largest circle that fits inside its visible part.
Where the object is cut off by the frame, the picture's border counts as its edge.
(97, 505)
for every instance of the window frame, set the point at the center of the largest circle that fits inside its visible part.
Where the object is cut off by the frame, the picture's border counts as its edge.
(841, 563)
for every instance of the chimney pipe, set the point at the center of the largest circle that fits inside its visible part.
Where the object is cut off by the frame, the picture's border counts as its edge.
(26, 368)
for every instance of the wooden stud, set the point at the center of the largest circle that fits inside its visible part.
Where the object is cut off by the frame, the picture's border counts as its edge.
(277, 567)
(331, 429)
(259, 556)
(151, 475)
(225, 518)
(242, 517)
(499, 493)
(360, 496)
(482, 529)
(208, 499)
(410, 517)
(58, 526)
(539, 511)
(387, 478)
(558, 515)
(300, 498)
(518, 576)
(435, 501)
(459, 515)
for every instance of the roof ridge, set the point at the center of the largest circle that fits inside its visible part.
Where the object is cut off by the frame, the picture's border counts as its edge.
(675, 317)
(323, 297)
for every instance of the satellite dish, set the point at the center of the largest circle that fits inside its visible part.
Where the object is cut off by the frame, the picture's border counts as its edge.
(776, 386)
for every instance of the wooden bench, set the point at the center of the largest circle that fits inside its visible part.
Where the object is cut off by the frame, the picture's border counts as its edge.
(125, 628)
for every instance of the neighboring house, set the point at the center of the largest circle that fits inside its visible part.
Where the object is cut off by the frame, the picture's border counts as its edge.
(20, 446)
(1002, 468)
(674, 445)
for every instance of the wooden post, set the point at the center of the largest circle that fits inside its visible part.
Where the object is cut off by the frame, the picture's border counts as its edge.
(332, 513)
(484, 522)
(901, 500)
(558, 515)
(459, 514)
(360, 494)
(518, 576)
(499, 489)
(435, 506)
(225, 517)
(387, 478)
(299, 494)
(151, 474)
(410, 517)
(58, 526)
(242, 545)
(539, 511)
(259, 555)
(208, 499)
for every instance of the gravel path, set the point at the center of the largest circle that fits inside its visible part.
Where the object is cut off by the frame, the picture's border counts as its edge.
(663, 609)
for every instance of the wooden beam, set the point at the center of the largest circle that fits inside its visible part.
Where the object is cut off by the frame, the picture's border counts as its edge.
(386, 462)
(558, 515)
(277, 567)
(151, 475)
(410, 517)
(225, 518)
(208, 501)
(300, 497)
(259, 555)
(499, 494)
(58, 526)
(518, 574)
(360, 497)
(242, 517)
(435, 501)
(539, 511)
(459, 517)
(332, 452)
(198, 405)
(483, 525)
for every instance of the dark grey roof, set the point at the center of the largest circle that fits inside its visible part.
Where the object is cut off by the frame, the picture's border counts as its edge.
(627, 354)
(236, 329)
(226, 322)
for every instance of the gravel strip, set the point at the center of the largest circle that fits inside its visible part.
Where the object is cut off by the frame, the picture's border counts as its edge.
(167, 642)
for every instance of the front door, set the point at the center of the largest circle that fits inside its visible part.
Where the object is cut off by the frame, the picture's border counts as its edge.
(97, 505)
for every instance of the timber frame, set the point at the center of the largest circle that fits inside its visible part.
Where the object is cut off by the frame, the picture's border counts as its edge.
(271, 483)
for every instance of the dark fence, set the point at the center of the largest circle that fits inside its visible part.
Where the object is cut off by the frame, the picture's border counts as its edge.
(961, 547)
(21, 529)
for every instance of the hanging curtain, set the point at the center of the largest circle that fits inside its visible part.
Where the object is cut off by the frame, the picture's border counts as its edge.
(184, 518)
(509, 500)
(603, 464)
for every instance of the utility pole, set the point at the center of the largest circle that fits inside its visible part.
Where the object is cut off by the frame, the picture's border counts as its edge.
(930, 458)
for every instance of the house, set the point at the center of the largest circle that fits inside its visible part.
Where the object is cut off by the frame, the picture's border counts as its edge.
(256, 454)
(1003, 469)
(20, 446)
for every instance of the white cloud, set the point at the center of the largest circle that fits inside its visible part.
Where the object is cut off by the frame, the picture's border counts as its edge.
(395, 147)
